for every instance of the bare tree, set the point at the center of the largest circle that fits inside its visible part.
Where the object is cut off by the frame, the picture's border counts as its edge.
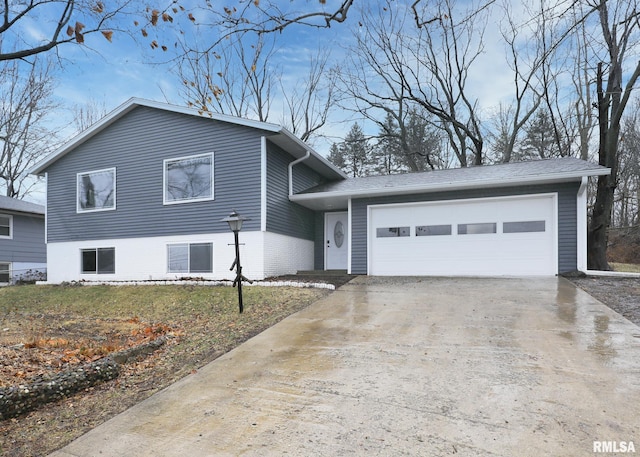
(585, 120)
(527, 95)
(435, 71)
(620, 29)
(26, 102)
(372, 80)
(238, 80)
(271, 16)
(59, 22)
(395, 71)
(626, 211)
(309, 101)
(88, 114)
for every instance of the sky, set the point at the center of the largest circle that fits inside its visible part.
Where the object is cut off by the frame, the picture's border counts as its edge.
(108, 74)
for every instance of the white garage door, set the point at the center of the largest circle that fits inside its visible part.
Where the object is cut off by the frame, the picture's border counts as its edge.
(476, 237)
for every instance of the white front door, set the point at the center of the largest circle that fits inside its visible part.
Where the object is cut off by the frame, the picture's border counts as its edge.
(336, 248)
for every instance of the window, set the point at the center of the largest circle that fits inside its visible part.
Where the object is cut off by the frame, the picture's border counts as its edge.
(433, 230)
(5, 273)
(96, 190)
(477, 229)
(523, 227)
(190, 258)
(392, 232)
(6, 226)
(188, 179)
(100, 260)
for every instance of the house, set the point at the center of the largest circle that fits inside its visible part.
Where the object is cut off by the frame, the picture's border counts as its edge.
(22, 246)
(141, 196)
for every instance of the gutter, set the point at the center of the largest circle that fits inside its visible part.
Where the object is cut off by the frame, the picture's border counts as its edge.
(447, 186)
(295, 162)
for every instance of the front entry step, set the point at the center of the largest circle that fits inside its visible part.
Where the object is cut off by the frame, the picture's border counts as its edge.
(322, 272)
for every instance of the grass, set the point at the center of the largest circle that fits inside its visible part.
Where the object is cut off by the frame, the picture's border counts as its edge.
(204, 318)
(625, 267)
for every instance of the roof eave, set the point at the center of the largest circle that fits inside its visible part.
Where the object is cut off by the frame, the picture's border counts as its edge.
(128, 106)
(329, 170)
(132, 103)
(451, 186)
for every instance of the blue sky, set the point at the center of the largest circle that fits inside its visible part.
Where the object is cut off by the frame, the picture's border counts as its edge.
(108, 74)
(111, 73)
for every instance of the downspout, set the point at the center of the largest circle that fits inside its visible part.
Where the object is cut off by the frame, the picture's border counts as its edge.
(581, 222)
(295, 162)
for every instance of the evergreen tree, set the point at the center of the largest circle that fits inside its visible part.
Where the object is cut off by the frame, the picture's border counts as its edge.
(353, 155)
(539, 139)
(387, 152)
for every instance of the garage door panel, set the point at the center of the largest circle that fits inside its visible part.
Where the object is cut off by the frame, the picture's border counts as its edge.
(518, 252)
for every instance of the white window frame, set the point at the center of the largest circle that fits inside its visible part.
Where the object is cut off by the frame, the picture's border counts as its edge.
(188, 245)
(81, 210)
(187, 200)
(8, 265)
(97, 251)
(10, 236)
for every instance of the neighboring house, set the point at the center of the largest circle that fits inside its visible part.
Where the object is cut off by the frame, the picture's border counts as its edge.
(22, 247)
(141, 196)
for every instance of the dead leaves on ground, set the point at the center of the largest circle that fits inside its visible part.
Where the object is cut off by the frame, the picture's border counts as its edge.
(46, 355)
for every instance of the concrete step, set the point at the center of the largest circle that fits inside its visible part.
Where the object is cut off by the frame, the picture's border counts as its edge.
(322, 272)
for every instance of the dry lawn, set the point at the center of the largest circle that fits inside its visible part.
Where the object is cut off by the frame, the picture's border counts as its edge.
(47, 329)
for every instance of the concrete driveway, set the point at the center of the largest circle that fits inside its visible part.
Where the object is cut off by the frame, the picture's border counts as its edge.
(468, 367)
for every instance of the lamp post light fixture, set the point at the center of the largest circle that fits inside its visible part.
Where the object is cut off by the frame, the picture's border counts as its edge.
(235, 225)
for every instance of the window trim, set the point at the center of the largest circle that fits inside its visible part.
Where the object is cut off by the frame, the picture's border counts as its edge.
(190, 200)
(97, 251)
(465, 231)
(8, 265)
(79, 209)
(426, 230)
(400, 232)
(537, 226)
(10, 236)
(188, 244)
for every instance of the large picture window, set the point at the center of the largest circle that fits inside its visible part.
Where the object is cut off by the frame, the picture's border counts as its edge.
(188, 179)
(190, 258)
(6, 226)
(100, 261)
(96, 190)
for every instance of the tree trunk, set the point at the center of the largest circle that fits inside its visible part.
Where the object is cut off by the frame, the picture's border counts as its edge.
(597, 236)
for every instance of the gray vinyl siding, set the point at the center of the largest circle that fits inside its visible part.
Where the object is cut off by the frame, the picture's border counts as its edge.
(136, 145)
(318, 247)
(283, 216)
(567, 222)
(28, 243)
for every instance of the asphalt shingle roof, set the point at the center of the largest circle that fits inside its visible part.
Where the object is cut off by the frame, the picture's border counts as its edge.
(513, 172)
(21, 206)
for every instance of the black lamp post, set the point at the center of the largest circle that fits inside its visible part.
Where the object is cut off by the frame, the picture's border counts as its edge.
(235, 224)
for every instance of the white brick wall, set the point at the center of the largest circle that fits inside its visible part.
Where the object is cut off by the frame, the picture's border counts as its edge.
(286, 255)
(262, 255)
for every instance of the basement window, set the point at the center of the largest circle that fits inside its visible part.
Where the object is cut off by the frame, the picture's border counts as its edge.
(99, 261)
(5, 273)
(190, 258)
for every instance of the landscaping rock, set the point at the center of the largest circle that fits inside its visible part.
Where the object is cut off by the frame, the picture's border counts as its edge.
(18, 400)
